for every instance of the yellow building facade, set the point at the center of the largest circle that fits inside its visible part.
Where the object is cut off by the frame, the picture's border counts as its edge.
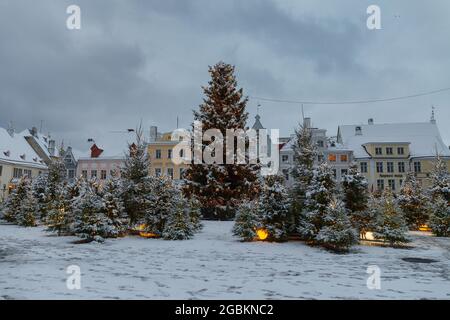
(160, 152)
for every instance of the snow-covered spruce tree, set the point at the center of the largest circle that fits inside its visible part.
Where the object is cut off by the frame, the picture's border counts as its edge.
(221, 187)
(355, 190)
(136, 183)
(13, 206)
(57, 214)
(162, 203)
(319, 195)
(195, 213)
(178, 225)
(365, 221)
(440, 179)
(413, 202)
(305, 153)
(337, 233)
(391, 225)
(90, 222)
(273, 208)
(247, 221)
(39, 189)
(56, 174)
(117, 219)
(27, 216)
(440, 217)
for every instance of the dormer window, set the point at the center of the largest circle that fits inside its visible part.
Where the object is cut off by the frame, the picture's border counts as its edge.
(7, 153)
(22, 156)
(378, 151)
(35, 159)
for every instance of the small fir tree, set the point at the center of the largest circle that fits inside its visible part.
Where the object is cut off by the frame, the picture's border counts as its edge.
(178, 225)
(319, 195)
(440, 179)
(39, 189)
(136, 184)
(365, 221)
(247, 221)
(58, 216)
(305, 153)
(273, 208)
(413, 202)
(114, 210)
(355, 190)
(13, 206)
(391, 225)
(27, 216)
(90, 222)
(337, 233)
(440, 217)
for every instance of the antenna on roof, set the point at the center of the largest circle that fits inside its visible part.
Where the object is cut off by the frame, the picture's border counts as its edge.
(40, 128)
(177, 122)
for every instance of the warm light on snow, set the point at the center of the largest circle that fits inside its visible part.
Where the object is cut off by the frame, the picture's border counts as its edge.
(262, 234)
(144, 234)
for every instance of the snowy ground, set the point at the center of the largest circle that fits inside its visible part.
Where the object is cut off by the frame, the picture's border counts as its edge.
(214, 265)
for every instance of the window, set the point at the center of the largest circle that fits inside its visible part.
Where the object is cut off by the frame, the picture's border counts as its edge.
(401, 150)
(401, 182)
(378, 151)
(391, 183)
(93, 173)
(27, 173)
(417, 167)
(344, 172)
(320, 158)
(17, 173)
(389, 151)
(284, 158)
(84, 174)
(286, 174)
(169, 154)
(103, 174)
(332, 157)
(181, 153)
(401, 167)
(379, 167)
(157, 172)
(364, 167)
(334, 173)
(344, 158)
(158, 154)
(70, 173)
(1, 169)
(390, 167)
(320, 144)
(380, 185)
(170, 172)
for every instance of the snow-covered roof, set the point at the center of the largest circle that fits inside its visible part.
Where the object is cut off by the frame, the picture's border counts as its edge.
(16, 150)
(114, 146)
(41, 139)
(423, 137)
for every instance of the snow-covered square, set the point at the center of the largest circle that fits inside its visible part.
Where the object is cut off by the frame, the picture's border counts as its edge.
(215, 265)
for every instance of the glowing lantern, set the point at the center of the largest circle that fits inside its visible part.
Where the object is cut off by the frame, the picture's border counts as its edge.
(424, 228)
(262, 234)
(369, 236)
(144, 234)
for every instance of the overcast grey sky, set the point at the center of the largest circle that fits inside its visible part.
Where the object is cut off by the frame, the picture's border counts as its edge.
(147, 60)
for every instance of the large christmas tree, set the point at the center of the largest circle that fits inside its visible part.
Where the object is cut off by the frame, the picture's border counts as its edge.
(220, 187)
(413, 202)
(305, 153)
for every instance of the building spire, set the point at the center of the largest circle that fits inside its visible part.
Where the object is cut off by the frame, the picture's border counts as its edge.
(433, 115)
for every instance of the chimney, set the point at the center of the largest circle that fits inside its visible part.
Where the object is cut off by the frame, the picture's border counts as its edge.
(51, 147)
(34, 131)
(10, 129)
(370, 121)
(153, 133)
(307, 123)
(358, 131)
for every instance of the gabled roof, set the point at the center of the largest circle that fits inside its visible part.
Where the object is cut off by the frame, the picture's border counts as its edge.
(16, 150)
(424, 138)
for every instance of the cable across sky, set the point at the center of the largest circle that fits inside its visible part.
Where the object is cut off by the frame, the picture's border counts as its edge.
(354, 101)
